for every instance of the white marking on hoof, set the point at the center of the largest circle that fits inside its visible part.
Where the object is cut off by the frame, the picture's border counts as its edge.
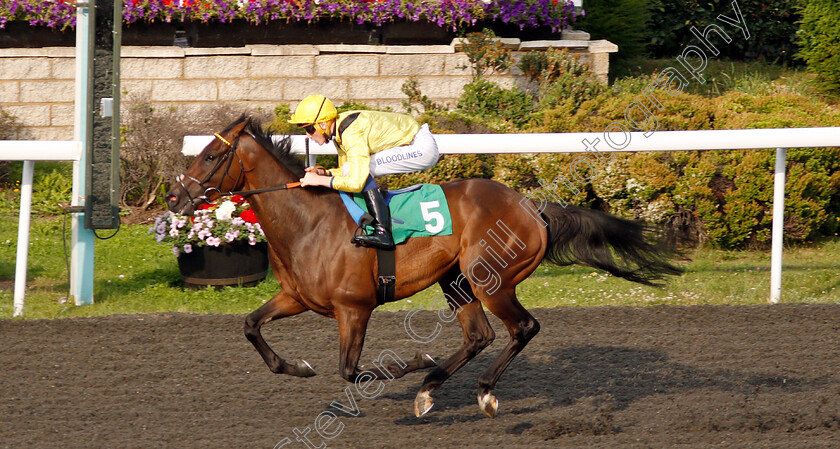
(488, 404)
(423, 403)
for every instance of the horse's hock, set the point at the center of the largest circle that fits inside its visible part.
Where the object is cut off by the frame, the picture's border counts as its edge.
(36, 84)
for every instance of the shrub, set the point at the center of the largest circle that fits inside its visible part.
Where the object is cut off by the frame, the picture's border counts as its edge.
(411, 88)
(819, 36)
(486, 54)
(279, 124)
(680, 112)
(52, 183)
(488, 101)
(623, 22)
(150, 153)
(772, 26)
(563, 80)
(723, 196)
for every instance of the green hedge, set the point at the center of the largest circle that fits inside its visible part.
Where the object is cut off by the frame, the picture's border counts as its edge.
(622, 22)
(772, 26)
(819, 37)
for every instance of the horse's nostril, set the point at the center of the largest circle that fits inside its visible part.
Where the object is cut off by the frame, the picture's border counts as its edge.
(172, 198)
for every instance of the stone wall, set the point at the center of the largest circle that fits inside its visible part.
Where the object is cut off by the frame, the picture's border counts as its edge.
(37, 85)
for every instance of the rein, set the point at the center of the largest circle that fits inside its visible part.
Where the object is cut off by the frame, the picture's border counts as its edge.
(290, 185)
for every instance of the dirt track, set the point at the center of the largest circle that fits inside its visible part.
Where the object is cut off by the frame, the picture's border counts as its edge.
(693, 377)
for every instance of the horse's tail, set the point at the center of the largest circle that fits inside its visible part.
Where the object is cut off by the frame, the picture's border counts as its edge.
(624, 248)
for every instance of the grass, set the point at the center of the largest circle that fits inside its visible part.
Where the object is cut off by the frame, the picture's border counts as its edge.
(134, 274)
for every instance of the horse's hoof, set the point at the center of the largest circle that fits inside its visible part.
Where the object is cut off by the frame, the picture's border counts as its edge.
(488, 404)
(304, 369)
(425, 360)
(423, 403)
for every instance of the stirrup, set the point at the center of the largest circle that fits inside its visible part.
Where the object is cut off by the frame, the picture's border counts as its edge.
(380, 239)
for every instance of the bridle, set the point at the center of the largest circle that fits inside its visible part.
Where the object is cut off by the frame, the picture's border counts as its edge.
(227, 161)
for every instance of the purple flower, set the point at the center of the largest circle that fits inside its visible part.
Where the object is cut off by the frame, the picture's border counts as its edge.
(451, 14)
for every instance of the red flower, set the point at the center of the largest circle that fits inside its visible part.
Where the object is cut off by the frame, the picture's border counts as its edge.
(249, 216)
(238, 199)
(205, 206)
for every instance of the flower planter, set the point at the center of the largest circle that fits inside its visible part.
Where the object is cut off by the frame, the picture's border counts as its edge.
(148, 34)
(238, 33)
(415, 33)
(230, 264)
(18, 34)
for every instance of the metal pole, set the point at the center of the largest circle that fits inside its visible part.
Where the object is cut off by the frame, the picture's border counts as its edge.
(82, 240)
(778, 226)
(23, 236)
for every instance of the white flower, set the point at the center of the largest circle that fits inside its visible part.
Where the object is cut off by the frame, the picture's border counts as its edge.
(225, 210)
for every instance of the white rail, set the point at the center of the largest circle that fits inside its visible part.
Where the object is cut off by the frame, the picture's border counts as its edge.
(736, 139)
(30, 151)
(740, 139)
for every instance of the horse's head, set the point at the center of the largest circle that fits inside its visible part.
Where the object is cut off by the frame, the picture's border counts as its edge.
(218, 168)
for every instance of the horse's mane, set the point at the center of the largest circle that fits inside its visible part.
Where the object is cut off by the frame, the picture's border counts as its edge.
(281, 150)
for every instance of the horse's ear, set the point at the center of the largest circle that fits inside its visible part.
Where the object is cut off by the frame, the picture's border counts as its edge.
(237, 129)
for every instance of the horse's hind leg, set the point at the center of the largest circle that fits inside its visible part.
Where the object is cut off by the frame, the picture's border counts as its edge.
(522, 328)
(280, 306)
(477, 335)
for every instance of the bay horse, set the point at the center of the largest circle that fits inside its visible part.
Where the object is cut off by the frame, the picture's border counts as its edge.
(309, 233)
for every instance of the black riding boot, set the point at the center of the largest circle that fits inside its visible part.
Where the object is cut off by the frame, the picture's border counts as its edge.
(381, 237)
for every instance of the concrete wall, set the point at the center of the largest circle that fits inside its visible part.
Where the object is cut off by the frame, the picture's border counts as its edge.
(37, 86)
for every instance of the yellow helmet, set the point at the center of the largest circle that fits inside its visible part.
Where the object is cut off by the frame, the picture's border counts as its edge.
(313, 109)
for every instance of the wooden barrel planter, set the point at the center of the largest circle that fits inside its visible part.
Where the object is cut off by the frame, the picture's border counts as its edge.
(236, 264)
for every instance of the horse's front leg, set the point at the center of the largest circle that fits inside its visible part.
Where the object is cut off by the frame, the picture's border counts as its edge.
(280, 306)
(352, 326)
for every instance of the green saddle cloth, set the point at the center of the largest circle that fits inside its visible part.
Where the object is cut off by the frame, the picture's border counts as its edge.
(417, 212)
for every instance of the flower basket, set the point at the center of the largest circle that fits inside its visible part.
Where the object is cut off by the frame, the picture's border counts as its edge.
(222, 244)
(229, 264)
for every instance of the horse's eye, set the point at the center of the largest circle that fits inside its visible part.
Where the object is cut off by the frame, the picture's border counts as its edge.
(211, 157)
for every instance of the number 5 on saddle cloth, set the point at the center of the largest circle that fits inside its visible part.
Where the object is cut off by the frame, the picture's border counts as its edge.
(416, 211)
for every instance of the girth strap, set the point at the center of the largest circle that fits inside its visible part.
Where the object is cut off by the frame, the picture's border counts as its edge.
(387, 276)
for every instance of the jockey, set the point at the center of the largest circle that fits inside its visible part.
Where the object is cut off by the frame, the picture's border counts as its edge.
(369, 144)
